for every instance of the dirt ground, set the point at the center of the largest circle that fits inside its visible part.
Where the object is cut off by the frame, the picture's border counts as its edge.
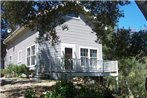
(16, 88)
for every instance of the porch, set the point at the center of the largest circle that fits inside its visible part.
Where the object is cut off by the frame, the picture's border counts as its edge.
(78, 67)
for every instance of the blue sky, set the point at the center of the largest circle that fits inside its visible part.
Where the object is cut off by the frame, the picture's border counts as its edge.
(133, 17)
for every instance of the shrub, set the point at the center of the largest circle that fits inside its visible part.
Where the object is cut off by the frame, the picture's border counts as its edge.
(15, 70)
(29, 93)
(8, 71)
(23, 69)
(50, 94)
(66, 89)
(85, 92)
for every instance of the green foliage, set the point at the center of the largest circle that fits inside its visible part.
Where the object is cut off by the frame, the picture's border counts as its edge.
(50, 94)
(68, 63)
(118, 45)
(132, 78)
(15, 70)
(23, 69)
(30, 93)
(138, 46)
(45, 16)
(125, 44)
(86, 92)
(126, 65)
(10, 70)
(136, 79)
(129, 48)
(65, 89)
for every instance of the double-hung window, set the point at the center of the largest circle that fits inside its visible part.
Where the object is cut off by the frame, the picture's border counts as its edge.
(88, 56)
(10, 59)
(31, 57)
(84, 56)
(93, 57)
(19, 56)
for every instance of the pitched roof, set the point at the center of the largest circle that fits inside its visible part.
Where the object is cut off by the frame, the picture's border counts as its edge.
(14, 34)
(19, 30)
(143, 7)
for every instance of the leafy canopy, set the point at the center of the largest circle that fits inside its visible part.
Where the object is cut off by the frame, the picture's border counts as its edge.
(124, 44)
(44, 16)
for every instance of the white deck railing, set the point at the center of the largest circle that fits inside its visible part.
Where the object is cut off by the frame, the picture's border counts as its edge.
(77, 65)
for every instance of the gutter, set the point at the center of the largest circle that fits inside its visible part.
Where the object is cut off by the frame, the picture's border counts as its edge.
(14, 34)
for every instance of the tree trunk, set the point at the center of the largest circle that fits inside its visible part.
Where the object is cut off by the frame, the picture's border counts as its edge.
(146, 83)
(129, 91)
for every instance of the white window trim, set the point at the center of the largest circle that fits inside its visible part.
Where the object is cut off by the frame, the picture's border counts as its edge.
(30, 55)
(65, 45)
(85, 47)
(96, 55)
(83, 56)
(93, 57)
(19, 61)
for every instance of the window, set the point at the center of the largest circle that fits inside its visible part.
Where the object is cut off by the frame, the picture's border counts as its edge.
(84, 56)
(93, 57)
(31, 55)
(28, 56)
(19, 56)
(10, 59)
(88, 56)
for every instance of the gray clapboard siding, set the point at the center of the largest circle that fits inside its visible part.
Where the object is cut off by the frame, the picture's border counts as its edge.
(80, 34)
(20, 43)
(53, 51)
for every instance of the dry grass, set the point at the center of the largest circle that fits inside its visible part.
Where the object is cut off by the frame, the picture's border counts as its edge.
(17, 87)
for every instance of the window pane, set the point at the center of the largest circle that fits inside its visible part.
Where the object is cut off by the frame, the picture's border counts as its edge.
(28, 52)
(84, 52)
(32, 60)
(33, 50)
(93, 57)
(28, 61)
(93, 53)
(84, 56)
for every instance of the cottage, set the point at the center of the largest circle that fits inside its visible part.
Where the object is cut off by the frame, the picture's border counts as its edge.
(77, 54)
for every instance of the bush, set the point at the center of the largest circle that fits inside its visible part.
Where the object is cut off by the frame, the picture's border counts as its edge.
(85, 92)
(7, 71)
(50, 94)
(30, 93)
(66, 89)
(23, 69)
(15, 70)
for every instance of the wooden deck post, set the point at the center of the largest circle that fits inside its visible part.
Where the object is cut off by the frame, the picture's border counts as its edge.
(116, 79)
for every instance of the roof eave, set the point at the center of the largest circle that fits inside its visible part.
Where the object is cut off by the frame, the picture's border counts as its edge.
(12, 35)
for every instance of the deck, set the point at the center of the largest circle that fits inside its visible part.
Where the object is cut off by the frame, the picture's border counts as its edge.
(78, 67)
